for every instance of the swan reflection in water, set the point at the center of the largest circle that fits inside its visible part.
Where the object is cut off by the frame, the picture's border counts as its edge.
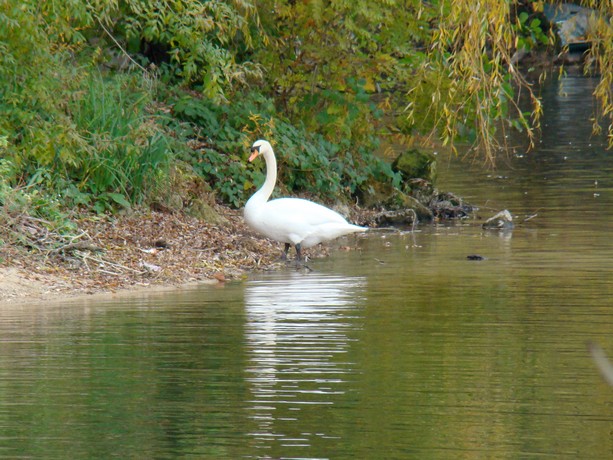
(298, 332)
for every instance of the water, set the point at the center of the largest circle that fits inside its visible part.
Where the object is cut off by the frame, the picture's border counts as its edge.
(399, 348)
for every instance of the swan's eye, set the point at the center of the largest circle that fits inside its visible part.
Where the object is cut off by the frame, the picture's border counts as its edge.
(255, 149)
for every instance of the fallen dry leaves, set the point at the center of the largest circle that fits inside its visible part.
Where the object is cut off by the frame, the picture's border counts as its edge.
(145, 248)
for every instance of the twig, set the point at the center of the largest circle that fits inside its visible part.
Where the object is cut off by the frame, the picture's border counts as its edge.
(100, 260)
(121, 47)
(78, 246)
(108, 272)
(530, 217)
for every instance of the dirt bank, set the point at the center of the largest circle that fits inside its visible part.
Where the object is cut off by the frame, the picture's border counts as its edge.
(136, 250)
(139, 250)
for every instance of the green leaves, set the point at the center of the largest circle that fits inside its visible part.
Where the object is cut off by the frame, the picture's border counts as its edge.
(465, 86)
(64, 122)
(329, 58)
(197, 41)
(309, 164)
(530, 33)
(125, 153)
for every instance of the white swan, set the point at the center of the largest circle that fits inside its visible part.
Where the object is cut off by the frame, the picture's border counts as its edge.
(292, 221)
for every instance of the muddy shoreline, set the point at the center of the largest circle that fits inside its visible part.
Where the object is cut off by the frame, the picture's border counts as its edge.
(138, 252)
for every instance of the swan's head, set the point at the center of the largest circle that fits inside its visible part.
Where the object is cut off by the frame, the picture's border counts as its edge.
(259, 147)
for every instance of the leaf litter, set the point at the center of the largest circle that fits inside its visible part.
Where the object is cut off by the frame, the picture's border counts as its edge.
(139, 248)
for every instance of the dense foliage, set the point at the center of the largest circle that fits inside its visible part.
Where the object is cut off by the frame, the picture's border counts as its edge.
(441, 70)
(101, 99)
(309, 163)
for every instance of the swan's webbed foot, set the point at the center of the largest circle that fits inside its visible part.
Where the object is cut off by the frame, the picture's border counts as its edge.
(302, 265)
(300, 262)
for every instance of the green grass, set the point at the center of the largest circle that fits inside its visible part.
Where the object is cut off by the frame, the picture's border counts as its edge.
(125, 151)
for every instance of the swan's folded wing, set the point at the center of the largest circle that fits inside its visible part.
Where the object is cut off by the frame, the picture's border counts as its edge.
(330, 231)
(293, 220)
(304, 211)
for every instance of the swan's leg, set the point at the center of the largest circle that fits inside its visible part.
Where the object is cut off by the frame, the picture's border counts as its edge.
(299, 262)
(285, 251)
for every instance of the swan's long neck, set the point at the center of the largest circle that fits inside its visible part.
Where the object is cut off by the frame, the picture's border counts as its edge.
(263, 194)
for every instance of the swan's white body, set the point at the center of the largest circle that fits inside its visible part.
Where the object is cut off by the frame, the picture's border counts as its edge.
(292, 221)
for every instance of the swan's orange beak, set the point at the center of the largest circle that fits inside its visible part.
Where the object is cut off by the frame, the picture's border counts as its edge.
(255, 151)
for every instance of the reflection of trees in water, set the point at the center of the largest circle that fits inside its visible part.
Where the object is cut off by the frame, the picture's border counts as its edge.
(568, 109)
(297, 334)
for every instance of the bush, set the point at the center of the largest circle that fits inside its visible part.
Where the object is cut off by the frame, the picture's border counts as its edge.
(68, 128)
(308, 164)
(194, 42)
(124, 151)
(27, 214)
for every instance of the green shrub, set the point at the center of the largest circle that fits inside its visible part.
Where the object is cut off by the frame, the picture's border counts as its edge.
(530, 34)
(28, 204)
(93, 140)
(125, 151)
(194, 42)
(66, 128)
(307, 162)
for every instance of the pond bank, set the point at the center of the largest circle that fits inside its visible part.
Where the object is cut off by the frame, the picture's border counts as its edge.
(139, 250)
(144, 249)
